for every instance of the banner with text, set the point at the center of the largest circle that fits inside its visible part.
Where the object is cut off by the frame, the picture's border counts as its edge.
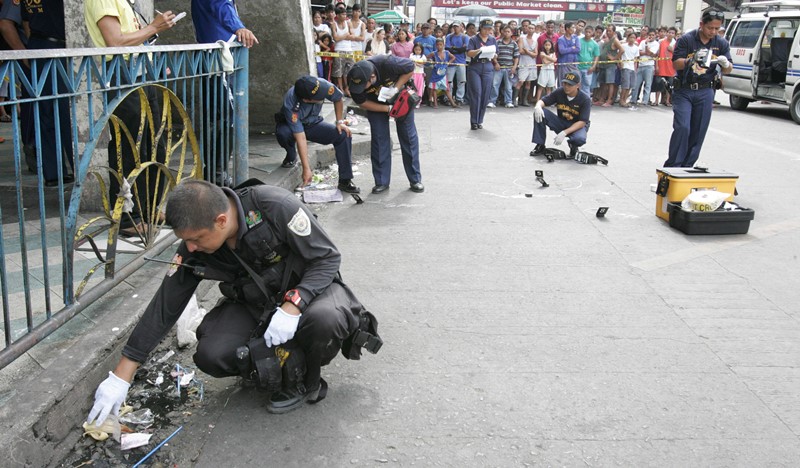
(533, 5)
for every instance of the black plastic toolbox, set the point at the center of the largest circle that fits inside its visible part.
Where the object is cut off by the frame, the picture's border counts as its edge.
(710, 222)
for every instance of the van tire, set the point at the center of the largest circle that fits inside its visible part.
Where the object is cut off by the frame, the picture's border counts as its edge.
(794, 109)
(739, 103)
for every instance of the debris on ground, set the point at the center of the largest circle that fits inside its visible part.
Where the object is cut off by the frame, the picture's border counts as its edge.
(163, 396)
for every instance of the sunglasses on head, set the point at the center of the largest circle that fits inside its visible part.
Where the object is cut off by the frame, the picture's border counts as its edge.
(714, 14)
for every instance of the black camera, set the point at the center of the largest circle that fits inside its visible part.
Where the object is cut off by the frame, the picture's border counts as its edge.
(589, 158)
(272, 369)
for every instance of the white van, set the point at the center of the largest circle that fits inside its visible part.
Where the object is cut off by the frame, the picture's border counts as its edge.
(765, 47)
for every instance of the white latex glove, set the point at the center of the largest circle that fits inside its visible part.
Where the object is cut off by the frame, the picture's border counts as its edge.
(538, 114)
(723, 61)
(109, 396)
(560, 138)
(281, 328)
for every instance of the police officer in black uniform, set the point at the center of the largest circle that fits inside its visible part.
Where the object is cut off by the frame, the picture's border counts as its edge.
(697, 55)
(255, 230)
(367, 80)
(47, 31)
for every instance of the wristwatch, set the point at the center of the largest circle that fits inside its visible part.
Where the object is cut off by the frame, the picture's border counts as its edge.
(293, 296)
(341, 121)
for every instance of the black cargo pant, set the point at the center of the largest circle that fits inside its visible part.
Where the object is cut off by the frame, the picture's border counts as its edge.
(325, 323)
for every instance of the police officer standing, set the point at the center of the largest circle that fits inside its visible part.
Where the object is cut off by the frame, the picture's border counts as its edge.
(372, 83)
(255, 231)
(697, 55)
(572, 120)
(482, 51)
(300, 121)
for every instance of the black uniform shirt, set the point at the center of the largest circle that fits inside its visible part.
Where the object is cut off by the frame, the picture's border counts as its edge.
(388, 69)
(573, 110)
(45, 18)
(278, 224)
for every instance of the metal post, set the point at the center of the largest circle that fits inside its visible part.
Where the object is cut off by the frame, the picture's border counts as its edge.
(241, 119)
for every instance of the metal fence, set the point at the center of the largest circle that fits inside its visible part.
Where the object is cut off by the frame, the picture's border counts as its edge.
(98, 139)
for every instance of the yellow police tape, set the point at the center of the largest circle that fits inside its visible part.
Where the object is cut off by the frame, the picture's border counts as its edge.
(358, 56)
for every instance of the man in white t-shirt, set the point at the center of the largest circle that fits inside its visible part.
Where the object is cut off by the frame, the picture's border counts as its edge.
(358, 30)
(527, 71)
(648, 50)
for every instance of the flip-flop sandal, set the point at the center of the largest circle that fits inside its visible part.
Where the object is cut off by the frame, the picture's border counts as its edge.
(5, 118)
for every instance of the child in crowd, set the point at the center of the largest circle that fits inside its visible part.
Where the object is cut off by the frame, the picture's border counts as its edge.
(630, 51)
(547, 75)
(441, 59)
(317, 49)
(326, 45)
(419, 59)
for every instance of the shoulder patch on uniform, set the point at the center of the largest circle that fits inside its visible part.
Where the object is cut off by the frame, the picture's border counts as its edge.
(294, 117)
(176, 262)
(300, 224)
(331, 90)
(253, 218)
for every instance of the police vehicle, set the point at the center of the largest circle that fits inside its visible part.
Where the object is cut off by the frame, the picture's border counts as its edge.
(765, 47)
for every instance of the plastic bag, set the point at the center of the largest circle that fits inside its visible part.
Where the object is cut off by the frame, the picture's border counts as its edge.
(704, 200)
(188, 322)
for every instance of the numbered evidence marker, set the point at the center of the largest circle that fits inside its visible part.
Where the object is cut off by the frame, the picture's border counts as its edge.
(601, 212)
(357, 199)
(540, 178)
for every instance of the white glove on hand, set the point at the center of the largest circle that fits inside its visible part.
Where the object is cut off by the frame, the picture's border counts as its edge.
(723, 61)
(560, 138)
(538, 114)
(281, 328)
(109, 396)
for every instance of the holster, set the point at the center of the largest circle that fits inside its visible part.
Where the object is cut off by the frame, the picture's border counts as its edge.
(366, 336)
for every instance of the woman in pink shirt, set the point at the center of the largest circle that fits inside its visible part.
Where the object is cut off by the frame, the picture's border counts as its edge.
(402, 47)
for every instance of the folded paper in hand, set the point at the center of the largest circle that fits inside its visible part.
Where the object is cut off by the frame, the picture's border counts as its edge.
(488, 52)
(387, 93)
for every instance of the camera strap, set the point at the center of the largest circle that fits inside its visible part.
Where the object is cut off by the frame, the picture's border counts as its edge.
(268, 311)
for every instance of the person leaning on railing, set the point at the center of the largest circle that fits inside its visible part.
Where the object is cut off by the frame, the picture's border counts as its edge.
(115, 23)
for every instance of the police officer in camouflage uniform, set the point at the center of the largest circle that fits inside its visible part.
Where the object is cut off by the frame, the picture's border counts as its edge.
(265, 230)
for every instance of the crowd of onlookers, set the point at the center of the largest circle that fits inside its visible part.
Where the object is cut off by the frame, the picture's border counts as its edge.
(616, 66)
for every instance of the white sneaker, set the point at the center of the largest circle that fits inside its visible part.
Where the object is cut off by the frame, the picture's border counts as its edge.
(491, 105)
(509, 105)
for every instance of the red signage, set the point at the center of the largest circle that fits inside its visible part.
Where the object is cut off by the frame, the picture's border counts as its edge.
(500, 4)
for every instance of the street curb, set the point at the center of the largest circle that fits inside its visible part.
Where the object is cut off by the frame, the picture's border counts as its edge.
(40, 423)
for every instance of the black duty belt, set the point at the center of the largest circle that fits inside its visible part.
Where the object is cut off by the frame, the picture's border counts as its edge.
(47, 38)
(480, 61)
(695, 86)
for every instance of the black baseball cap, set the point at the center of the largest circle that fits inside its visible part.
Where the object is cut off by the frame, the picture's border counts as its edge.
(309, 87)
(571, 79)
(359, 76)
(487, 23)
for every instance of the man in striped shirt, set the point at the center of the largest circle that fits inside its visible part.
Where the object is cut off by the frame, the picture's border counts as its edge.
(505, 67)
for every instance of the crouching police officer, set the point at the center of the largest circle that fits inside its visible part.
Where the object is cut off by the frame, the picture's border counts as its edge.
(571, 121)
(256, 231)
(372, 84)
(697, 55)
(299, 122)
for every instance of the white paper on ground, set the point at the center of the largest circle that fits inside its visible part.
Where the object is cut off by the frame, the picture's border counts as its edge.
(322, 196)
(137, 439)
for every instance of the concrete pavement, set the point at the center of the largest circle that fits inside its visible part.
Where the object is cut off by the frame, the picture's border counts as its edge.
(526, 331)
